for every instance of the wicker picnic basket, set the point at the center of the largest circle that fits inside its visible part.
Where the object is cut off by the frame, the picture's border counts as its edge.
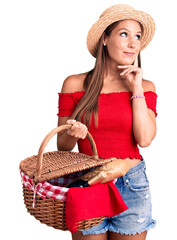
(45, 167)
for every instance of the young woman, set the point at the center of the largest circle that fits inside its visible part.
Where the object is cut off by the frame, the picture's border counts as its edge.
(118, 107)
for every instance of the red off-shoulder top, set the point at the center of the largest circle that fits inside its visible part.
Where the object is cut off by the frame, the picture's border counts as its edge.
(114, 136)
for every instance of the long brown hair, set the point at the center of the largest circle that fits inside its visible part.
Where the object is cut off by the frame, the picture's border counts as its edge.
(93, 84)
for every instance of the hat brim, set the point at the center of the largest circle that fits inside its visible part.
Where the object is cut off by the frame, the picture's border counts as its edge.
(103, 22)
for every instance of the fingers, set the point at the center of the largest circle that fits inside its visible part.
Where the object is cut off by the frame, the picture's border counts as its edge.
(71, 121)
(136, 62)
(128, 70)
(124, 72)
(78, 130)
(124, 66)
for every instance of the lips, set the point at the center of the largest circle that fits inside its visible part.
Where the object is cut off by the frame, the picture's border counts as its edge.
(129, 53)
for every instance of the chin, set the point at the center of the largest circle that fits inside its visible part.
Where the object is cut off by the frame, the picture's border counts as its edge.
(122, 60)
(126, 62)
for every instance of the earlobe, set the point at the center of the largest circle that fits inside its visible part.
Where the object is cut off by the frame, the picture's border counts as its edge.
(104, 40)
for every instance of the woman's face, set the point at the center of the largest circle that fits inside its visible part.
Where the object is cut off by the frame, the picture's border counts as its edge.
(123, 44)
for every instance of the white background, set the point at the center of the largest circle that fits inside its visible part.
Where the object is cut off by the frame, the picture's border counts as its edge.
(43, 42)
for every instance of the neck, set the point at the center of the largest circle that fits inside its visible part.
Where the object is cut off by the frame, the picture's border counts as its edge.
(112, 73)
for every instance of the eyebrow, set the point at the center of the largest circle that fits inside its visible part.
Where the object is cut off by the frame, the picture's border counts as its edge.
(128, 30)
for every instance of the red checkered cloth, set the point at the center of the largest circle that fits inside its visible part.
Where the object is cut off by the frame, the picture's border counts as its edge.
(44, 189)
(54, 188)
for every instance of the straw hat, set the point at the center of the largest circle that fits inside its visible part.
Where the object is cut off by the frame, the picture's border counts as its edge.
(116, 13)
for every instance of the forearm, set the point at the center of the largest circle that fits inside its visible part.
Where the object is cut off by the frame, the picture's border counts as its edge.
(66, 142)
(144, 127)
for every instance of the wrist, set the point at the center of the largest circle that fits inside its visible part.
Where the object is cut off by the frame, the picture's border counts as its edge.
(138, 91)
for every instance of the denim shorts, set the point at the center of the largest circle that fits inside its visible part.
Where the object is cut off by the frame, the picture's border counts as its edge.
(134, 189)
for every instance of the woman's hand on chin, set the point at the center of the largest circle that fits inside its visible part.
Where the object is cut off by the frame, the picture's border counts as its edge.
(133, 75)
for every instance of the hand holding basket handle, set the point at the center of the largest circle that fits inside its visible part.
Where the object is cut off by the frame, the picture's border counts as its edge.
(114, 168)
(78, 129)
(48, 138)
(106, 173)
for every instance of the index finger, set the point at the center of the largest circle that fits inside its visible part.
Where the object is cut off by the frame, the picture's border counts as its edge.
(136, 62)
(71, 121)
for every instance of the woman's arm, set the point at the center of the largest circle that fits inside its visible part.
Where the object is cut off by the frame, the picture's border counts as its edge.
(144, 121)
(66, 141)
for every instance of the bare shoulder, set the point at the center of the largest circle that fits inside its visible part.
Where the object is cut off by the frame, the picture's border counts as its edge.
(73, 83)
(148, 86)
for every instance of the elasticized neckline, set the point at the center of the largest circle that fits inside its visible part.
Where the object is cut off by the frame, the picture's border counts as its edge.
(106, 94)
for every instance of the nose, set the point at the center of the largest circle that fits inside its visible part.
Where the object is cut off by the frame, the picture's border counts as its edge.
(131, 43)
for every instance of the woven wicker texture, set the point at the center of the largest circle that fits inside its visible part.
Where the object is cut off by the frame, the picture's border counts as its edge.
(59, 163)
(46, 166)
(52, 212)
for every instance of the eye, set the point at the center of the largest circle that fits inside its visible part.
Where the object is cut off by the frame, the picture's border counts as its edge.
(123, 34)
(138, 36)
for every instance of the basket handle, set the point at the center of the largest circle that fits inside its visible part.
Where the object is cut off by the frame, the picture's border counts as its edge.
(47, 139)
